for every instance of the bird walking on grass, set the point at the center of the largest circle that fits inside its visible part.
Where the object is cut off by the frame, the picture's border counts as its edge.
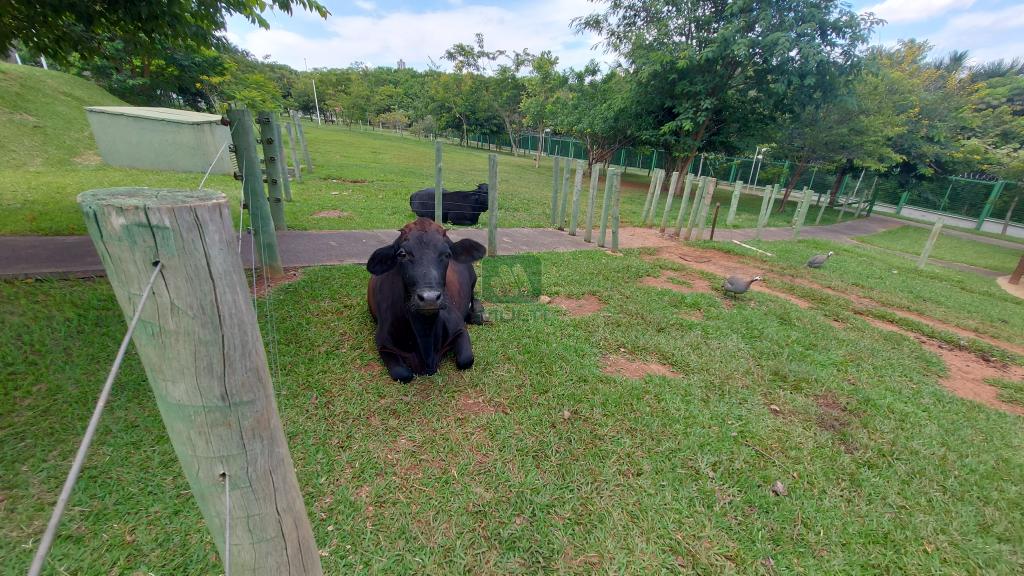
(738, 285)
(818, 260)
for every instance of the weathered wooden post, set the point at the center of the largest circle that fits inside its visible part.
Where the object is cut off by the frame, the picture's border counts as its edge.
(698, 198)
(771, 201)
(555, 177)
(709, 193)
(255, 201)
(684, 204)
(617, 197)
(648, 198)
(714, 221)
(1009, 214)
(492, 204)
(1017, 272)
(577, 189)
(595, 176)
(864, 198)
(766, 193)
(930, 244)
(295, 157)
(821, 211)
(801, 212)
(279, 152)
(201, 349)
(566, 170)
(734, 202)
(606, 205)
(672, 184)
(438, 184)
(654, 201)
(302, 141)
(272, 162)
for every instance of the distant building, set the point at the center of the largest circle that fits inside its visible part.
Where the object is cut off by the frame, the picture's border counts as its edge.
(401, 64)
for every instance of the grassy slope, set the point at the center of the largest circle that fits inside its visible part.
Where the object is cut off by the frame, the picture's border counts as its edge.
(643, 477)
(960, 298)
(911, 239)
(58, 161)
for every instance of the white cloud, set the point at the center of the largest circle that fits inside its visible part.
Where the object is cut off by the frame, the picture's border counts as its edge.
(895, 11)
(365, 5)
(382, 39)
(987, 35)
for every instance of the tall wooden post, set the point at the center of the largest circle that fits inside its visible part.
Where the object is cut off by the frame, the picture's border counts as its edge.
(279, 152)
(709, 193)
(272, 162)
(595, 176)
(1009, 214)
(734, 202)
(438, 184)
(654, 201)
(698, 198)
(684, 204)
(647, 200)
(252, 192)
(577, 189)
(930, 244)
(201, 348)
(566, 170)
(801, 212)
(616, 200)
(302, 141)
(291, 147)
(606, 205)
(492, 204)
(672, 184)
(555, 181)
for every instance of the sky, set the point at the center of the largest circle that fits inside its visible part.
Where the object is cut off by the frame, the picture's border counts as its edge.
(380, 32)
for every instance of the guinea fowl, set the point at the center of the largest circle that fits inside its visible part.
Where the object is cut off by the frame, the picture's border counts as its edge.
(818, 260)
(738, 285)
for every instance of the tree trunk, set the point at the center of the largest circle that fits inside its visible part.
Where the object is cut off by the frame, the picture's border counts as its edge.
(540, 145)
(835, 185)
(800, 168)
(465, 132)
(511, 140)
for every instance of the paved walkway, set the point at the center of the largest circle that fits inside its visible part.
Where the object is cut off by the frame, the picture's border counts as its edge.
(74, 256)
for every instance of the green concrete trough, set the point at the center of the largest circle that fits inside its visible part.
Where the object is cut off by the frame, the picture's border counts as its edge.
(160, 138)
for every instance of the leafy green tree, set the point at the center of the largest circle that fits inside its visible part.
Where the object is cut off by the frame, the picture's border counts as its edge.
(541, 85)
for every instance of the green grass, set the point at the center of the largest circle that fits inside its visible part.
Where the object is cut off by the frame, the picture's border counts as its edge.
(972, 231)
(959, 298)
(53, 159)
(911, 240)
(1011, 391)
(886, 470)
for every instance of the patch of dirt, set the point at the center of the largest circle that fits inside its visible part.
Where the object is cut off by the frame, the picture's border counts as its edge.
(589, 304)
(468, 405)
(349, 181)
(634, 369)
(331, 214)
(695, 315)
(1015, 289)
(265, 284)
(832, 415)
(369, 368)
(696, 283)
(643, 238)
(88, 158)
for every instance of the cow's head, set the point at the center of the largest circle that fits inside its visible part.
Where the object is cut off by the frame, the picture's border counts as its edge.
(422, 252)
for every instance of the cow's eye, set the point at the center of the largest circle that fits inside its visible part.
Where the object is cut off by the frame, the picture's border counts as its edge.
(402, 254)
(446, 256)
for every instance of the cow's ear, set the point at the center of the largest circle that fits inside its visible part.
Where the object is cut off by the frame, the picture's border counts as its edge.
(467, 250)
(382, 260)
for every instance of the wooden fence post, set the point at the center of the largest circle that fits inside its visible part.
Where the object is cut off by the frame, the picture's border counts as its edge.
(295, 157)
(555, 177)
(1009, 214)
(617, 197)
(438, 184)
(595, 176)
(255, 201)
(683, 204)
(302, 142)
(577, 189)
(930, 244)
(272, 163)
(492, 204)
(698, 199)
(605, 206)
(801, 212)
(734, 202)
(201, 349)
(654, 201)
(702, 218)
(765, 194)
(283, 160)
(647, 200)
(672, 184)
(566, 170)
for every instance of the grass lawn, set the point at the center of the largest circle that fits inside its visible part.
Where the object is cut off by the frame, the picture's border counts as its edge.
(959, 298)
(984, 233)
(366, 176)
(1009, 390)
(886, 471)
(911, 239)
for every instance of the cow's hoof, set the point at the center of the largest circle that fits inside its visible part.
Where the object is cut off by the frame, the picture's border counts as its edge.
(477, 314)
(464, 363)
(401, 374)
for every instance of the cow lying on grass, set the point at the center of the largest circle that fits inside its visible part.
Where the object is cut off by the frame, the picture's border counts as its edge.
(421, 296)
(460, 208)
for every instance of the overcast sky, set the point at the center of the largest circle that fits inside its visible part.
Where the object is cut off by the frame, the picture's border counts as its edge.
(380, 32)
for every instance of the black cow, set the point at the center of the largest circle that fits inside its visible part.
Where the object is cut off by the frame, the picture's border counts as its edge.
(461, 208)
(421, 296)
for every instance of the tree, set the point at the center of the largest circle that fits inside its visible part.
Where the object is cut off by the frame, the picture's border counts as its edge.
(61, 29)
(541, 86)
(707, 67)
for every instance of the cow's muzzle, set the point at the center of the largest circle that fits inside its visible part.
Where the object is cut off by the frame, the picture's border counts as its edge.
(428, 301)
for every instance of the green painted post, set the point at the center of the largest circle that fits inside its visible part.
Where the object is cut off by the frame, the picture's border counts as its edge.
(273, 169)
(732, 172)
(684, 203)
(801, 212)
(942, 204)
(255, 200)
(709, 193)
(295, 158)
(566, 170)
(903, 201)
(617, 197)
(990, 203)
(734, 202)
(672, 184)
(302, 141)
(930, 244)
(813, 174)
(657, 196)
(555, 173)
(647, 200)
(605, 206)
(698, 199)
(200, 347)
(595, 175)
(577, 189)
(438, 184)
(492, 204)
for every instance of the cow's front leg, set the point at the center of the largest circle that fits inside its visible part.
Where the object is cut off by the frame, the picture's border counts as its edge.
(477, 314)
(463, 351)
(396, 367)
